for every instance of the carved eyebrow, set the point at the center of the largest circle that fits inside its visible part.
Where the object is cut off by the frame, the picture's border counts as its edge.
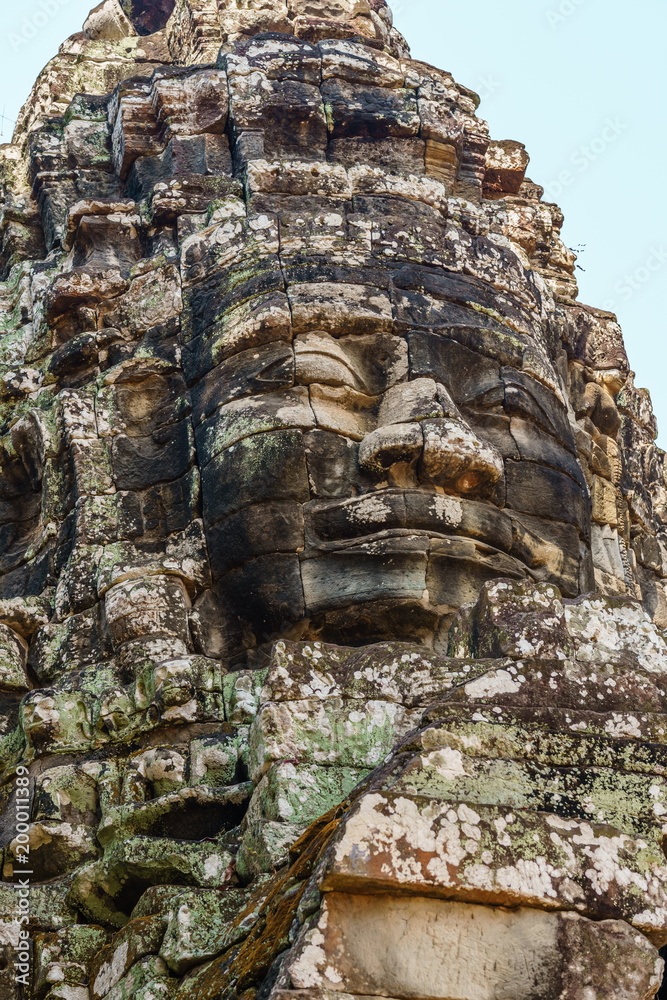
(483, 395)
(521, 394)
(512, 396)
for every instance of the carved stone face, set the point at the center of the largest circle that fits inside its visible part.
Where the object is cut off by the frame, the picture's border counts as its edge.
(411, 441)
(377, 423)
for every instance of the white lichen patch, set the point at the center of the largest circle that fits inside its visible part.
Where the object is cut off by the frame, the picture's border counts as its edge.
(496, 682)
(447, 509)
(623, 725)
(447, 762)
(111, 972)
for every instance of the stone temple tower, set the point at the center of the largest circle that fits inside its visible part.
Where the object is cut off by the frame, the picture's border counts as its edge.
(333, 537)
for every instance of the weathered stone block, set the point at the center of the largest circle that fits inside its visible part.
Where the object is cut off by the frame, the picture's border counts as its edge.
(13, 655)
(269, 466)
(155, 605)
(299, 794)
(350, 576)
(256, 531)
(337, 732)
(139, 938)
(471, 952)
(499, 857)
(200, 925)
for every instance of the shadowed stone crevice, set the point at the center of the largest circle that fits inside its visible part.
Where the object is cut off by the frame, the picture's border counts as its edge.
(662, 993)
(148, 16)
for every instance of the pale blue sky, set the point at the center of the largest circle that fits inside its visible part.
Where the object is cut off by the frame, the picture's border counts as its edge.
(580, 82)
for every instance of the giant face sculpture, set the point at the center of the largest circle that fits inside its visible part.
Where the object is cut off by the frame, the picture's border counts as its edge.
(377, 413)
(313, 244)
(397, 446)
(291, 352)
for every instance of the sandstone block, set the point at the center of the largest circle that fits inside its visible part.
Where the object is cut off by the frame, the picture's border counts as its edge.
(433, 948)
(499, 857)
(200, 926)
(154, 605)
(345, 734)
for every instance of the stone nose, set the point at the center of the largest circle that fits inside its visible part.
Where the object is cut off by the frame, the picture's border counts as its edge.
(419, 425)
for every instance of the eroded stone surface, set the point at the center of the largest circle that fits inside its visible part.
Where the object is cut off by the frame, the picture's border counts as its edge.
(332, 562)
(404, 946)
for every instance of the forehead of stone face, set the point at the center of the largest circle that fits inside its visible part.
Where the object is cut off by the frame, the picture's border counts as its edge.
(485, 345)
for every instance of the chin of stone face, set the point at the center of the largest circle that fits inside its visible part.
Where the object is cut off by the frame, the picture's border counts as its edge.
(331, 537)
